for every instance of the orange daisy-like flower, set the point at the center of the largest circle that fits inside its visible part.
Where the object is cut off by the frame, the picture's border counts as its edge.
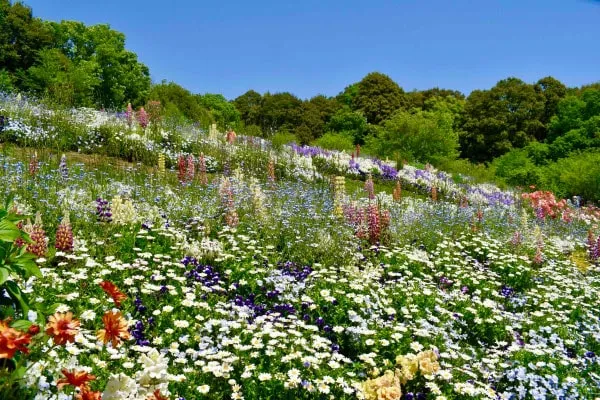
(157, 396)
(12, 340)
(115, 328)
(88, 394)
(76, 378)
(62, 327)
(113, 291)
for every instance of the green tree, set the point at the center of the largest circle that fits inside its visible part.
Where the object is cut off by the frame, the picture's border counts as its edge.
(179, 103)
(378, 97)
(223, 112)
(249, 106)
(21, 37)
(281, 111)
(507, 116)
(424, 136)
(348, 122)
(553, 92)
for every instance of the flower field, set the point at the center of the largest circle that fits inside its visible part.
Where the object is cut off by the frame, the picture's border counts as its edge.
(209, 269)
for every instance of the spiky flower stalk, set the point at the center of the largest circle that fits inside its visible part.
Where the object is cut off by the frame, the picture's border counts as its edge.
(271, 171)
(539, 257)
(227, 203)
(370, 187)
(161, 164)
(39, 245)
(34, 164)
(202, 167)
(62, 168)
(593, 244)
(231, 136)
(142, 117)
(64, 235)
(129, 115)
(339, 192)
(190, 171)
(103, 210)
(182, 168)
(397, 193)
(434, 193)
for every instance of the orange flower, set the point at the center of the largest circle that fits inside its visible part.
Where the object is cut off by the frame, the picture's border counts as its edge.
(88, 394)
(115, 328)
(12, 340)
(157, 396)
(76, 378)
(113, 291)
(62, 327)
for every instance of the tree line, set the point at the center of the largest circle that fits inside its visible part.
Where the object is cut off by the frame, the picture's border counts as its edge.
(519, 130)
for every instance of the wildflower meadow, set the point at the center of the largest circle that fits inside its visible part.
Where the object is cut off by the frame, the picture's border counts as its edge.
(145, 261)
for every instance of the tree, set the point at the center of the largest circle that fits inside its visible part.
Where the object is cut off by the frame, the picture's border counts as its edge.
(378, 97)
(21, 37)
(504, 117)
(553, 92)
(349, 122)
(424, 136)
(280, 111)
(249, 106)
(179, 103)
(223, 112)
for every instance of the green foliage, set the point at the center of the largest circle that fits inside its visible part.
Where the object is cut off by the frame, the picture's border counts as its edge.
(378, 97)
(249, 106)
(517, 168)
(336, 141)
(222, 111)
(507, 116)
(280, 111)
(6, 84)
(179, 104)
(578, 174)
(349, 122)
(16, 264)
(425, 136)
(282, 138)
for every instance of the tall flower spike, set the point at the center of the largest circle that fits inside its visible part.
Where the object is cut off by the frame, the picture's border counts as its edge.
(36, 232)
(370, 187)
(64, 235)
(161, 164)
(142, 117)
(34, 164)
(202, 167)
(190, 171)
(129, 115)
(182, 168)
(62, 168)
(397, 193)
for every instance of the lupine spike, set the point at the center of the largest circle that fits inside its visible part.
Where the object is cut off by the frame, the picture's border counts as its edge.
(39, 245)
(370, 187)
(271, 171)
(161, 164)
(397, 193)
(129, 115)
(62, 168)
(64, 235)
(182, 168)
(190, 171)
(34, 164)
(142, 117)
(202, 167)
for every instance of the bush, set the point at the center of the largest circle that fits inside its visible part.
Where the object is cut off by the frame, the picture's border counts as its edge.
(517, 168)
(577, 175)
(335, 141)
(282, 138)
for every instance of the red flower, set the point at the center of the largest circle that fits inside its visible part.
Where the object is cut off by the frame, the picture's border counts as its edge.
(62, 327)
(76, 378)
(114, 292)
(12, 340)
(88, 394)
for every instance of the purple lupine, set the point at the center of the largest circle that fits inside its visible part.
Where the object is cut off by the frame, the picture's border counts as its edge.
(103, 211)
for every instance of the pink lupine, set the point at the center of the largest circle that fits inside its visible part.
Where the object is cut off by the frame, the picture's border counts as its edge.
(142, 117)
(202, 167)
(182, 168)
(370, 187)
(191, 169)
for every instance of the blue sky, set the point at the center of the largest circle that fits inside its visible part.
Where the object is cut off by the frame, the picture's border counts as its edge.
(311, 47)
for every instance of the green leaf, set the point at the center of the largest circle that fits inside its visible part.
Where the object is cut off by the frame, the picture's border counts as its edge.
(8, 231)
(15, 292)
(4, 274)
(21, 324)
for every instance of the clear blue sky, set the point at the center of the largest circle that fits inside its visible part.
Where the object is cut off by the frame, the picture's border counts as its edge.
(309, 47)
